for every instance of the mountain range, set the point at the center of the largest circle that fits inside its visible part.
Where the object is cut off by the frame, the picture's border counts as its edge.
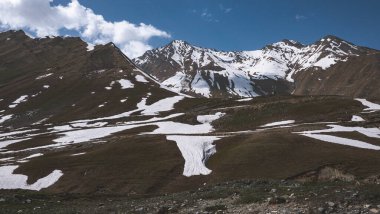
(82, 119)
(329, 66)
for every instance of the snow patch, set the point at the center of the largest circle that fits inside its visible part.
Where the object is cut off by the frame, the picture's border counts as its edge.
(166, 104)
(170, 127)
(356, 118)
(78, 154)
(177, 82)
(41, 121)
(36, 94)
(369, 132)
(19, 100)
(200, 85)
(195, 150)
(102, 105)
(62, 128)
(286, 122)
(90, 47)
(33, 156)
(7, 134)
(371, 106)
(88, 125)
(209, 118)
(44, 76)
(85, 135)
(342, 141)
(245, 100)
(125, 84)
(140, 78)
(8, 180)
(326, 62)
(6, 143)
(6, 159)
(5, 118)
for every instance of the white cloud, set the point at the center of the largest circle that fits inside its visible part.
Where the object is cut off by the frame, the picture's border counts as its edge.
(208, 16)
(43, 19)
(224, 9)
(194, 11)
(300, 17)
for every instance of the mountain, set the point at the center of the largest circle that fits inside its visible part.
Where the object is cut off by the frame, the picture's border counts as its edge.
(358, 76)
(275, 69)
(63, 78)
(84, 121)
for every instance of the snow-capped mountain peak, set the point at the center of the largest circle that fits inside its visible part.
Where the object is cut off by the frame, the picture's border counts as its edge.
(209, 72)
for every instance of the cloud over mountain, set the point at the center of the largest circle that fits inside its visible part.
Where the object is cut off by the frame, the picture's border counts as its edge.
(42, 19)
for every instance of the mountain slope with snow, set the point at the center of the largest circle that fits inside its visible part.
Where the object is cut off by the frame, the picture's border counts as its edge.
(53, 79)
(271, 70)
(88, 121)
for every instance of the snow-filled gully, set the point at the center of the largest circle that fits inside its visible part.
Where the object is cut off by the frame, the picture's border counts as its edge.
(195, 150)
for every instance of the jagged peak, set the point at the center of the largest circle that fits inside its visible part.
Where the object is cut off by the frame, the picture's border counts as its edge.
(175, 45)
(336, 43)
(179, 42)
(111, 44)
(15, 34)
(292, 43)
(20, 34)
(287, 42)
(284, 44)
(184, 44)
(329, 38)
(333, 39)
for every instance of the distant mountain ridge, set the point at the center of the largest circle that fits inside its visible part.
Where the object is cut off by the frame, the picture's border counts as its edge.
(275, 69)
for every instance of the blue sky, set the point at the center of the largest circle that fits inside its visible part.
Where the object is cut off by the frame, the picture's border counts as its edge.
(249, 24)
(136, 26)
